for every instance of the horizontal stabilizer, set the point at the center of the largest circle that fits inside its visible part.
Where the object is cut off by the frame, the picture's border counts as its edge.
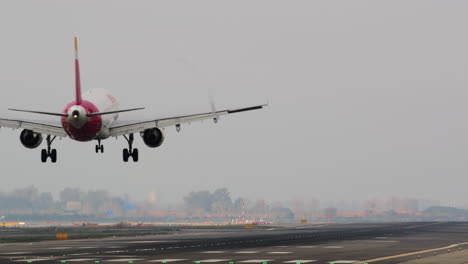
(114, 112)
(38, 112)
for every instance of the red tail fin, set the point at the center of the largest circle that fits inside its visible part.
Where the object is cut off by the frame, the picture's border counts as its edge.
(77, 75)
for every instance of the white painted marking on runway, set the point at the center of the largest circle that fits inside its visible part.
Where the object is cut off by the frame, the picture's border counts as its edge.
(86, 247)
(79, 260)
(32, 260)
(115, 247)
(114, 251)
(343, 261)
(80, 254)
(60, 248)
(300, 261)
(167, 260)
(380, 237)
(246, 252)
(256, 260)
(14, 253)
(122, 260)
(377, 241)
(307, 246)
(213, 260)
(213, 252)
(146, 249)
(279, 252)
(147, 241)
(333, 247)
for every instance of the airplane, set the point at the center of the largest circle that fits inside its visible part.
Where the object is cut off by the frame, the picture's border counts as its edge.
(93, 115)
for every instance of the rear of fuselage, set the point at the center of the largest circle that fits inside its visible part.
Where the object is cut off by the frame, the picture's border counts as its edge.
(95, 127)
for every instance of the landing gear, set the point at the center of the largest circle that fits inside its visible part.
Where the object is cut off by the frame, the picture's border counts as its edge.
(52, 153)
(130, 152)
(99, 147)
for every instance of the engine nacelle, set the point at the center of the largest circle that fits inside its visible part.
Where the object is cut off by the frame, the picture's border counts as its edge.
(30, 139)
(153, 137)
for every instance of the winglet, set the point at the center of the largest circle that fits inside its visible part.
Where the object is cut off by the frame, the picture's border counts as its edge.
(77, 75)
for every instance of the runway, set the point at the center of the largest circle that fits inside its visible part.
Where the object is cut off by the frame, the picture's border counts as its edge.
(326, 243)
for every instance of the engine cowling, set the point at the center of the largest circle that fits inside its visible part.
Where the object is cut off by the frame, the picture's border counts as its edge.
(153, 137)
(30, 139)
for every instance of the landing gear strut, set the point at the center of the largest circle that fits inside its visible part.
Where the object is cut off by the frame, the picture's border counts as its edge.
(133, 152)
(99, 147)
(52, 153)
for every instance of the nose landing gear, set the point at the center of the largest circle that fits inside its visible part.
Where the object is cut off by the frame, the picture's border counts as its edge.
(52, 153)
(130, 152)
(99, 147)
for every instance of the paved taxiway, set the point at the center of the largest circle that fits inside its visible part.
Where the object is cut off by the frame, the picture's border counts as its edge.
(339, 243)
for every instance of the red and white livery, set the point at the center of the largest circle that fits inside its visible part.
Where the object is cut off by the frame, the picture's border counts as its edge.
(93, 115)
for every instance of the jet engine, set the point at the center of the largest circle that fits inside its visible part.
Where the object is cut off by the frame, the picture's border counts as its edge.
(153, 137)
(30, 139)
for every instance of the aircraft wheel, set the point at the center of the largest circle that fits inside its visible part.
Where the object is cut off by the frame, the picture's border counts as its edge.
(102, 148)
(53, 155)
(44, 155)
(125, 155)
(135, 155)
(97, 149)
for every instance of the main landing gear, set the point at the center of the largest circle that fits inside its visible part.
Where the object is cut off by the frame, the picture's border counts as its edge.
(52, 153)
(130, 152)
(99, 147)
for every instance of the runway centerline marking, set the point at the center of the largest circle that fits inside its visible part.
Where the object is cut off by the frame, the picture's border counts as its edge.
(80, 260)
(333, 247)
(213, 252)
(256, 260)
(147, 241)
(167, 260)
(123, 260)
(279, 252)
(32, 260)
(14, 253)
(212, 260)
(307, 246)
(300, 261)
(246, 252)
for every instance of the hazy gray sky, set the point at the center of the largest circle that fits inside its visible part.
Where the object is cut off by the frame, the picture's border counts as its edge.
(367, 98)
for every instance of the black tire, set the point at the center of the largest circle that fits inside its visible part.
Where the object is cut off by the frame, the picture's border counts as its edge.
(125, 155)
(44, 156)
(97, 149)
(53, 155)
(102, 148)
(135, 155)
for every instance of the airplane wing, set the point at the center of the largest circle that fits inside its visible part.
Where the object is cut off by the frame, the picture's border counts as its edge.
(53, 129)
(119, 128)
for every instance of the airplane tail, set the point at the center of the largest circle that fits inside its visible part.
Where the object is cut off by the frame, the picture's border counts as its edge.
(77, 75)
(78, 98)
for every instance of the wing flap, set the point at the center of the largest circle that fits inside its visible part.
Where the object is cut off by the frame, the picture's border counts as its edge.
(36, 126)
(139, 126)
